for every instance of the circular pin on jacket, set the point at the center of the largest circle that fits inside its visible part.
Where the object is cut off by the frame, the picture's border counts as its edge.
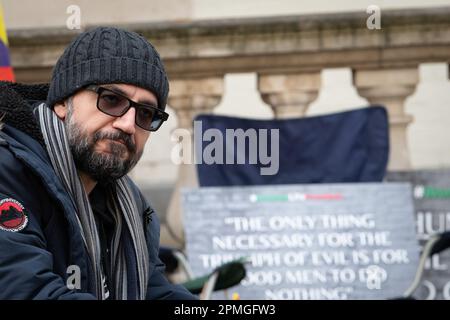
(12, 215)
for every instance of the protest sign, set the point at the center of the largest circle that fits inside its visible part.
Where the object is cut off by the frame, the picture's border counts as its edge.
(334, 241)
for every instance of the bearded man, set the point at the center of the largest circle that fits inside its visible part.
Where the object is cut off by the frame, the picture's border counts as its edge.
(72, 224)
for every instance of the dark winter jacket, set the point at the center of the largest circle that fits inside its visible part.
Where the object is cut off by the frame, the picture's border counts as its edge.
(39, 237)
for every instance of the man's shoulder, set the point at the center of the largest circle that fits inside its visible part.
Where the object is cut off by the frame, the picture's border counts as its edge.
(19, 182)
(17, 171)
(14, 173)
(9, 163)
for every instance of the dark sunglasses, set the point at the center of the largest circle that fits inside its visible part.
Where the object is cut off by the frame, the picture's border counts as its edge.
(114, 104)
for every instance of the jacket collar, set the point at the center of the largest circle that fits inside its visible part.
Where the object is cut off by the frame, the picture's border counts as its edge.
(16, 106)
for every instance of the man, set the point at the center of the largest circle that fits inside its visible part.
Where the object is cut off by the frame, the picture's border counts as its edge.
(72, 224)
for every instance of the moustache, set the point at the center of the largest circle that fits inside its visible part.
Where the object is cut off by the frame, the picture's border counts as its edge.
(118, 136)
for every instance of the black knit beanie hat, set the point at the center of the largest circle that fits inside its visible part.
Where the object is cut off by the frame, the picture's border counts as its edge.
(108, 55)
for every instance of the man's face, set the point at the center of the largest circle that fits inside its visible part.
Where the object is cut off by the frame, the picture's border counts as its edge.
(103, 146)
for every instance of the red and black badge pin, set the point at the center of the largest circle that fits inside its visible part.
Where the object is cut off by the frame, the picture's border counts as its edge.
(12, 215)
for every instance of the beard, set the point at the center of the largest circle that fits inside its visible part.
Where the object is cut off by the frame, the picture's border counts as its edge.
(103, 167)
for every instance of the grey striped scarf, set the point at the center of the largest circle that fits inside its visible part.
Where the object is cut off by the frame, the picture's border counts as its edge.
(126, 266)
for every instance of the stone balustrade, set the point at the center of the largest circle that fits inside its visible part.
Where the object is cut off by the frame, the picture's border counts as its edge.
(287, 53)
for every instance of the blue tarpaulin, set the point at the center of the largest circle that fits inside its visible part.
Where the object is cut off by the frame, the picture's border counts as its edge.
(351, 146)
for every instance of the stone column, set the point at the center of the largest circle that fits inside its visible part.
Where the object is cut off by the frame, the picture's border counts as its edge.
(188, 98)
(390, 88)
(289, 95)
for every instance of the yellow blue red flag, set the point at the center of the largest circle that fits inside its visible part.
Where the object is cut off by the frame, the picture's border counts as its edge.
(6, 72)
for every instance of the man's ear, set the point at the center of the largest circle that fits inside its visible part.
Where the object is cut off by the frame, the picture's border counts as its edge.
(61, 110)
